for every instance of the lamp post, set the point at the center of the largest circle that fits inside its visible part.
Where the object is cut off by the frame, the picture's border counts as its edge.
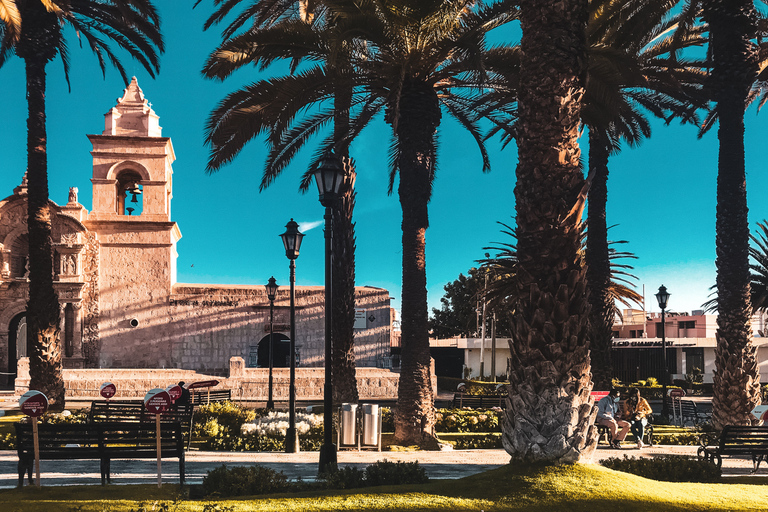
(271, 288)
(292, 242)
(663, 297)
(329, 176)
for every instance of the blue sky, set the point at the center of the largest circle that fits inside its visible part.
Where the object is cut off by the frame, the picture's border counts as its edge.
(661, 195)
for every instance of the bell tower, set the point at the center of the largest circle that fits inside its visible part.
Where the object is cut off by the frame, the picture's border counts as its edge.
(132, 163)
(132, 190)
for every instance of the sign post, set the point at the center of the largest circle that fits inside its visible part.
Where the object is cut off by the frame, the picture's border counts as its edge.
(107, 390)
(157, 401)
(676, 394)
(34, 404)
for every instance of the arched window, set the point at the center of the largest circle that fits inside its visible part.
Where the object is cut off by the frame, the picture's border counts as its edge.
(129, 193)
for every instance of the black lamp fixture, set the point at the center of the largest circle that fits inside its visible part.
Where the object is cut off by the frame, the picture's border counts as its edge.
(292, 243)
(330, 175)
(663, 297)
(271, 288)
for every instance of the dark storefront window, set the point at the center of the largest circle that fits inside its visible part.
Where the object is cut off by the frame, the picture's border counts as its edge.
(633, 364)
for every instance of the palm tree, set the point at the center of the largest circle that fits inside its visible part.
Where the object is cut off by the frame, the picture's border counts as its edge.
(283, 15)
(129, 24)
(632, 69)
(410, 60)
(734, 55)
(549, 415)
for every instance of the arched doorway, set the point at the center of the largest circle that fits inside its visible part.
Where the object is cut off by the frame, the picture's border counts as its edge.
(280, 355)
(17, 344)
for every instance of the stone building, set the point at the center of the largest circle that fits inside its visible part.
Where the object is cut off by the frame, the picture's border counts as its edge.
(115, 274)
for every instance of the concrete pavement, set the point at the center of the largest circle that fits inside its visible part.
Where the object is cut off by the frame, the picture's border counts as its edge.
(445, 464)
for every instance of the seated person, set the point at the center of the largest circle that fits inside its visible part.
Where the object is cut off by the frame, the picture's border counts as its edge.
(636, 411)
(608, 414)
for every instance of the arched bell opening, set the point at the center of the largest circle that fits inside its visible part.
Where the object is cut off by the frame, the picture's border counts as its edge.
(129, 193)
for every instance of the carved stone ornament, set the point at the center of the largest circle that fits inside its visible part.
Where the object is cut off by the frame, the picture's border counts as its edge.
(69, 239)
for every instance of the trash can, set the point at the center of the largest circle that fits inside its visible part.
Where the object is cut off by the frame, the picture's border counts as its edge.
(348, 424)
(371, 431)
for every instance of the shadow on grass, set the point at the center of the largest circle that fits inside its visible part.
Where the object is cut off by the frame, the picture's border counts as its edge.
(580, 487)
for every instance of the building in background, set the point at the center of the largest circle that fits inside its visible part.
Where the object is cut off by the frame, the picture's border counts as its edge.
(637, 348)
(115, 274)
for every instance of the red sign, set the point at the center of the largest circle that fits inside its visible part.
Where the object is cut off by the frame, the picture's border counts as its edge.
(108, 390)
(676, 393)
(174, 390)
(33, 403)
(157, 400)
(203, 384)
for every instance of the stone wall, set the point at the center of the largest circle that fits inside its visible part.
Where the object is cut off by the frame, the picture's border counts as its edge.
(245, 383)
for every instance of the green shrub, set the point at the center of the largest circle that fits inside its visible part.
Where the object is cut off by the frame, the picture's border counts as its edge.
(467, 420)
(378, 473)
(8, 441)
(78, 417)
(347, 477)
(667, 468)
(384, 472)
(228, 417)
(473, 441)
(243, 481)
(221, 422)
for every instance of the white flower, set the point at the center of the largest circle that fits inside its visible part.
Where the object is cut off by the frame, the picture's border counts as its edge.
(276, 423)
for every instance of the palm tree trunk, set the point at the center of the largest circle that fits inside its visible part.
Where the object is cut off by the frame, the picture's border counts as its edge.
(598, 263)
(343, 346)
(43, 315)
(550, 413)
(419, 117)
(737, 378)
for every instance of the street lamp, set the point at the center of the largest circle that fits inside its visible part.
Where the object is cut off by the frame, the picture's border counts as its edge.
(663, 297)
(292, 242)
(271, 287)
(329, 176)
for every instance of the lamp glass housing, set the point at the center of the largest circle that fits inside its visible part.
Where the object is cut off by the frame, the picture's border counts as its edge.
(662, 297)
(271, 287)
(329, 176)
(292, 239)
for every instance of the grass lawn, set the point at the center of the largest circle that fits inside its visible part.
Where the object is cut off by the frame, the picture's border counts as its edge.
(580, 487)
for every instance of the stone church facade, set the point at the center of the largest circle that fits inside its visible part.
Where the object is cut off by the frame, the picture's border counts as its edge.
(115, 274)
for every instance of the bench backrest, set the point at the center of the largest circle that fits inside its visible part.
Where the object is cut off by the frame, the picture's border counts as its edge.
(140, 439)
(743, 436)
(62, 441)
(57, 441)
(135, 412)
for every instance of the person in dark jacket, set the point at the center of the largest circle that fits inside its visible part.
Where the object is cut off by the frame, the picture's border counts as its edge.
(608, 413)
(186, 397)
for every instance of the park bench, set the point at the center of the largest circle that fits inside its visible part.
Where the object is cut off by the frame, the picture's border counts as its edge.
(207, 397)
(461, 400)
(690, 413)
(604, 432)
(134, 411)
(735, 440)
(100, 441)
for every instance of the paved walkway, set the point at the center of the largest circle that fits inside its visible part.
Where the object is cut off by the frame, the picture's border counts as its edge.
(446, 464)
